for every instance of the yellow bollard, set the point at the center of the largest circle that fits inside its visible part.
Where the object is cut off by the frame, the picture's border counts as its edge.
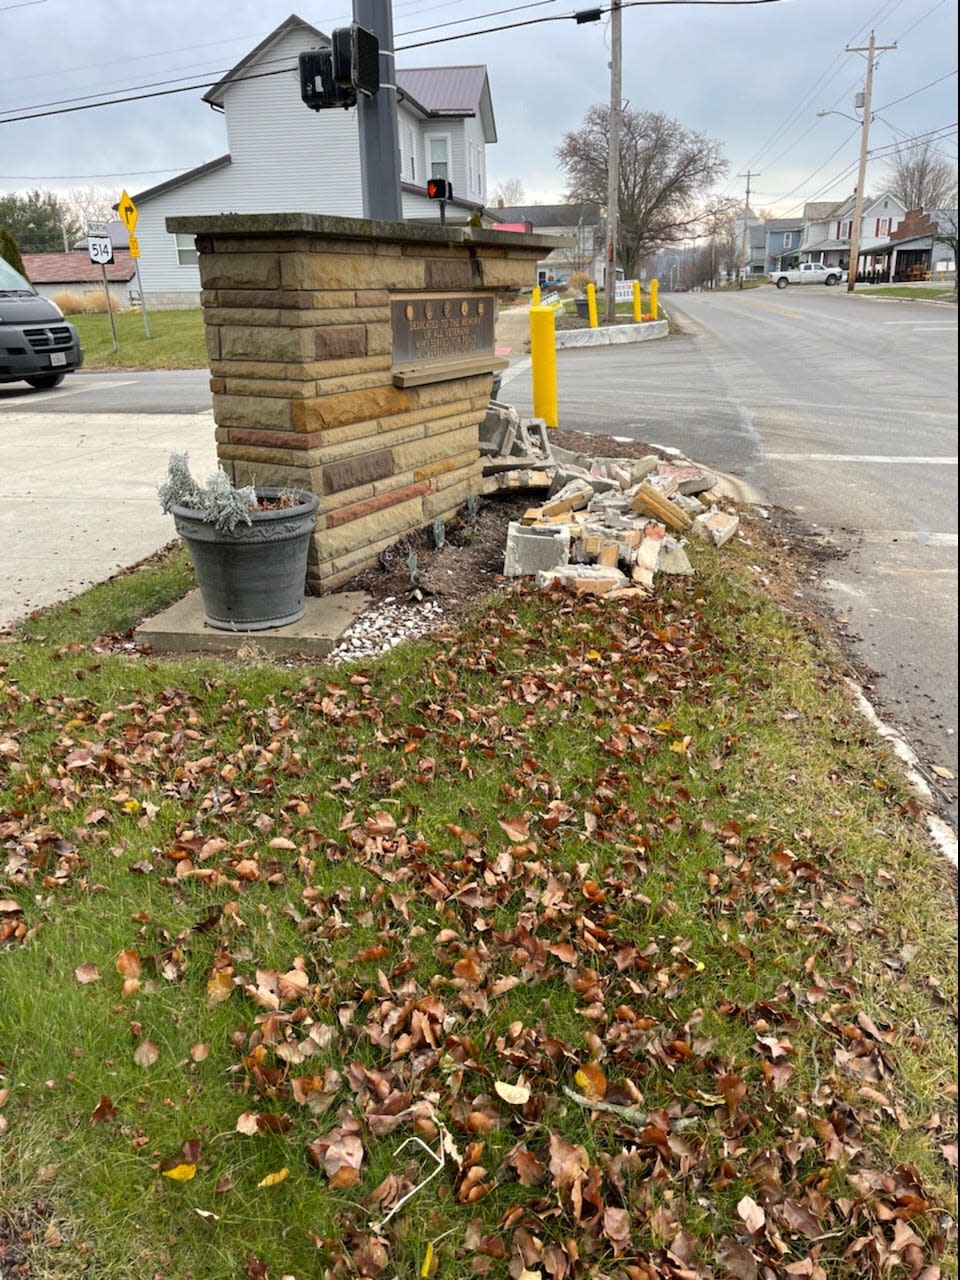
(637, 303)
(535, 297)
(592, 305)
(543, 363)
(654, 299)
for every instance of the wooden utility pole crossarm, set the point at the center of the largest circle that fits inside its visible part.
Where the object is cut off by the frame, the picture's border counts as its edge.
(871, 51)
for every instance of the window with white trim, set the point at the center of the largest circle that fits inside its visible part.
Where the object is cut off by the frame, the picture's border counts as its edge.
(410, 160)
(187, 255)
(438, 152)
(788, 239)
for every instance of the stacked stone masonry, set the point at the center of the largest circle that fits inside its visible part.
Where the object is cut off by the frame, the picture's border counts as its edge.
(299, 338)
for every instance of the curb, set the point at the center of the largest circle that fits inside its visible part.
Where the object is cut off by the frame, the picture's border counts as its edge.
(613, 335)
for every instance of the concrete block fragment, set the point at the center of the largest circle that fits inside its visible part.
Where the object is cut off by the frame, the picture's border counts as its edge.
(641, 576)
(716, 526)
(583, 579)
(673, 558)
(522, 478)
(497, 421)
(533, 548)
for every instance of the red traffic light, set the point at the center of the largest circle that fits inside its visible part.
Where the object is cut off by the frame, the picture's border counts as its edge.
(439, 189)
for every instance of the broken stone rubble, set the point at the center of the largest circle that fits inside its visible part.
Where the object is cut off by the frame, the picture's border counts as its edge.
(602, 527)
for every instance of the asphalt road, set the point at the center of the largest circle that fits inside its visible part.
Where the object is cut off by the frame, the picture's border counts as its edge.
(843, 410)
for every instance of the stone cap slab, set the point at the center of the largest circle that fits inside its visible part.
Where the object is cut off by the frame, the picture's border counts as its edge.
(324, 225)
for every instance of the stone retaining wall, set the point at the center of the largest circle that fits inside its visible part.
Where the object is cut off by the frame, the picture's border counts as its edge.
(298, 330)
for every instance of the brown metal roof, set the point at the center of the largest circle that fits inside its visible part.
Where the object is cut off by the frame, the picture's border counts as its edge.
(76, 268)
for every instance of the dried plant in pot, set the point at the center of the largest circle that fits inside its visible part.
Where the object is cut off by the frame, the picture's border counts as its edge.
(248, 545)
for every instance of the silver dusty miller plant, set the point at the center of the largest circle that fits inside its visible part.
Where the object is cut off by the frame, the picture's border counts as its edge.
(219, 501)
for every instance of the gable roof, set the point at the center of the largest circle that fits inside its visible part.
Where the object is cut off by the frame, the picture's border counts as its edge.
(211, 166)
(548, 215)
(294, 23)
(450, 91)
(76, 268)
(819, 210)
(436, 91)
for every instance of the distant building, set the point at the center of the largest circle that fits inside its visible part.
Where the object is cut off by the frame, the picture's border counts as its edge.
(579, 229)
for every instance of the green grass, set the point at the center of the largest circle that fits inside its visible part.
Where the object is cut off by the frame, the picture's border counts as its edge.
(930, 292)
(711, 870)
(176, 340)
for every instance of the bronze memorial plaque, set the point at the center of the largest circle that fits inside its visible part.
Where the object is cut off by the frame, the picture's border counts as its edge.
(442, 329)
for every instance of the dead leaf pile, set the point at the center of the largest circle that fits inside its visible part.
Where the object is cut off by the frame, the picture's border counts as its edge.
(502, 1013)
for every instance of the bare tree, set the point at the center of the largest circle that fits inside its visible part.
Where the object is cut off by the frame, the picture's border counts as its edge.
(946, 233)
(89, 204)
(921, 178)
(665, 170)
(509, 193)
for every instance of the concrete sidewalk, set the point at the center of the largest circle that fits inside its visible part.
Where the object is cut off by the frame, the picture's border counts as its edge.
(81, 498)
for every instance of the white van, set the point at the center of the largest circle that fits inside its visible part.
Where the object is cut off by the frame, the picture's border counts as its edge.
(36, 344)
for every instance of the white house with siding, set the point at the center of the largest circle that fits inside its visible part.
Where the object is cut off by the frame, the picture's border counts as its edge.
(282, 157)
(827, 227)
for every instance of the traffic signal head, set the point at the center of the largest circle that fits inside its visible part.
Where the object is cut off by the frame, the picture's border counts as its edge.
(318, 88)
(439, 189)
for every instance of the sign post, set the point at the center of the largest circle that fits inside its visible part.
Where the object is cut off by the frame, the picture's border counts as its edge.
(100, 248)
(128, 216)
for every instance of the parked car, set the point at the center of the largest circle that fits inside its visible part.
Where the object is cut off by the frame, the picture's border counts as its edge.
(808, 273)
(36, 344)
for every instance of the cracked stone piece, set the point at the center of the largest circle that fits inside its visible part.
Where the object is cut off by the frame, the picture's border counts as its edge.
(583, 579)
(716, 526)
(572, 497)
(673, 558)
(667, 485)
(688, 503)
(648, 499)
(565, 474)
(689, 478)
(640, 468)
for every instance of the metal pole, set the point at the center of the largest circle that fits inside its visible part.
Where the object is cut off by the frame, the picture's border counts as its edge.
(379, 133)
(143, 301)
(106, 290)
(613, 166)
(746, 214)
(870, 50)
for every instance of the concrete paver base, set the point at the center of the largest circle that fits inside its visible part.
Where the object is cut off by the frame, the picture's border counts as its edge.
(181, 629)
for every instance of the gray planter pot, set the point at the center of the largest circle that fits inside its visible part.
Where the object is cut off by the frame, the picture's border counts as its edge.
(254, 577)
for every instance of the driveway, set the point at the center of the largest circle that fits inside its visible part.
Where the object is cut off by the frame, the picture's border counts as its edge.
(81, 500)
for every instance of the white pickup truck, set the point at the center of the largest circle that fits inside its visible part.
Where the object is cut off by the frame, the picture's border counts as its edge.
(808, 273)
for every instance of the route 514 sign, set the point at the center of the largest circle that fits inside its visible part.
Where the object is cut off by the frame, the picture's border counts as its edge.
(101, 249)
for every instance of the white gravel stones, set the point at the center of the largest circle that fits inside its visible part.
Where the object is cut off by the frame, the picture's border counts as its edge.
(383, 626)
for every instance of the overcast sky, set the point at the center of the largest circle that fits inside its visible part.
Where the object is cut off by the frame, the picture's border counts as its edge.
(752, 77)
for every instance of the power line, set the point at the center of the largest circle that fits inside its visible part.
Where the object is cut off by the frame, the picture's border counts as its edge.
(914, 93)
(136, 96)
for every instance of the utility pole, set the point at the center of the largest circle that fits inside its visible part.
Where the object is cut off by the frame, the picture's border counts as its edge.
(746, 214)
(379, 131)
(613, 166)
(871, 50)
